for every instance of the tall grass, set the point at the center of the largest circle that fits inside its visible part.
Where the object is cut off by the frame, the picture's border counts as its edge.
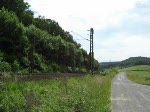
(88, 94)
(138, 68)
(139, 74)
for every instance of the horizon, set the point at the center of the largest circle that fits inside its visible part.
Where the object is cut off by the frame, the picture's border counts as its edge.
(124, 59)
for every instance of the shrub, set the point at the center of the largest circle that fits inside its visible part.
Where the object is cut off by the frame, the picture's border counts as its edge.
(15, 66)
(76, 70)
(83, 70)
(69, 69)
(55, 67)
(5, 67)
(110, 71)
(24, 71)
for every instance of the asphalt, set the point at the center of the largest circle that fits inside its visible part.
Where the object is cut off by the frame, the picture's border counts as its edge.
(127, 96)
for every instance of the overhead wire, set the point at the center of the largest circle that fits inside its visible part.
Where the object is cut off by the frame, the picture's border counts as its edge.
(81, 36)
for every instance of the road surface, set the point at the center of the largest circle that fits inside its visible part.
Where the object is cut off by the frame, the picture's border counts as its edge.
(127, 96)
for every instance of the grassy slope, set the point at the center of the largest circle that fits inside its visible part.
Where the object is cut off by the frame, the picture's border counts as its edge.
(88, 94)
(139, 74)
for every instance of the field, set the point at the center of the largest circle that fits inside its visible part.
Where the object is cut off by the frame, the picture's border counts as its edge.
(86, 94)
(139, 74)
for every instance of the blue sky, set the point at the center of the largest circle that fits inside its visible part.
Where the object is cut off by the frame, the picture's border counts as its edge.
(121, 27)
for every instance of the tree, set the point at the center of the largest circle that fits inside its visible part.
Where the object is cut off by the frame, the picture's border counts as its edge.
(79, 58)
(38, 43)
(12, 39)
(20, 8)
(53, 28)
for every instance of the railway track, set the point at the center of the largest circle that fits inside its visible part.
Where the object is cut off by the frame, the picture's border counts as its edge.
(41, 76)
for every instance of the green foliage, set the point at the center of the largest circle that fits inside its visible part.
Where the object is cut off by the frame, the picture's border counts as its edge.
(139, 74)
(87, 94)
(20, 8)
(133, 61)
(5, 67)
(53, 28)
(55, 67)
(37, 44)
(23, 71)
(96, 65)
(13, 99)
(108, 65)
(76, 70)
(110, 71)
(15, 66)
(69, 69)
(83, 70)
(79, 58)
(11, 36)
(138, 68)
(136, 61)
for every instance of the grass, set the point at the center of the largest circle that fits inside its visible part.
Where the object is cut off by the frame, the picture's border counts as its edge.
(139, 74)
(88, 94)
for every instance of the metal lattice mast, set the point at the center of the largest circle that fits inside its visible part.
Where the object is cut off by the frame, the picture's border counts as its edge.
(91, 50)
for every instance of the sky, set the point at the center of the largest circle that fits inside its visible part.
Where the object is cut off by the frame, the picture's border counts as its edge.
(121, 27)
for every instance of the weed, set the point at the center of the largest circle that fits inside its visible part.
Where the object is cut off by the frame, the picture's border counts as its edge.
(88, 94)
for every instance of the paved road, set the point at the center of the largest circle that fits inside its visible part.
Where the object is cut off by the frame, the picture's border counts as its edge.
(129, 97)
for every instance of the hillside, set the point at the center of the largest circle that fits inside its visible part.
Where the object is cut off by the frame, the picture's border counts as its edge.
(105, 65)
(138, 68)
(35, 45)
(135, 61)
(132, 61)
(139, 74)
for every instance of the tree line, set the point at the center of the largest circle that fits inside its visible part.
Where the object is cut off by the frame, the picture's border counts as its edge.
(132, 61)
(37, 45)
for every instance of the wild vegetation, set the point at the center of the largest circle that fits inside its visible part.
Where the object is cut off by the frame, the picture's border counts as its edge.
(40, 45)
(139, 74)
(87, 94)
(36, 45)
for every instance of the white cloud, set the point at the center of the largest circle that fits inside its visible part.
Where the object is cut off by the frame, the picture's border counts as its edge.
(97, 13)
(121, 47)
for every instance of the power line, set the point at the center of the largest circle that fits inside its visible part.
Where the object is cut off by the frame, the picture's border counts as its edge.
(91, 48)
(81, 36)
(80, 39)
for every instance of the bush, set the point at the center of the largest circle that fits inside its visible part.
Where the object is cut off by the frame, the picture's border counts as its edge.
(76, 70)
(110, 71)
(24, 71)
(55, 67)
(50, 69)
(7, 77)
(83, 70)
(15, 66)
(69, 69)
(5, 67)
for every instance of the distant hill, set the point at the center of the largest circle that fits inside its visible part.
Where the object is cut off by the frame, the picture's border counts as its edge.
(105, 65)
(132, 61)
(135, 61)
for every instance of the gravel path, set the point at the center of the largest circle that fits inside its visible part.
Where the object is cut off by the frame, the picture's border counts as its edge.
(127, 96)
